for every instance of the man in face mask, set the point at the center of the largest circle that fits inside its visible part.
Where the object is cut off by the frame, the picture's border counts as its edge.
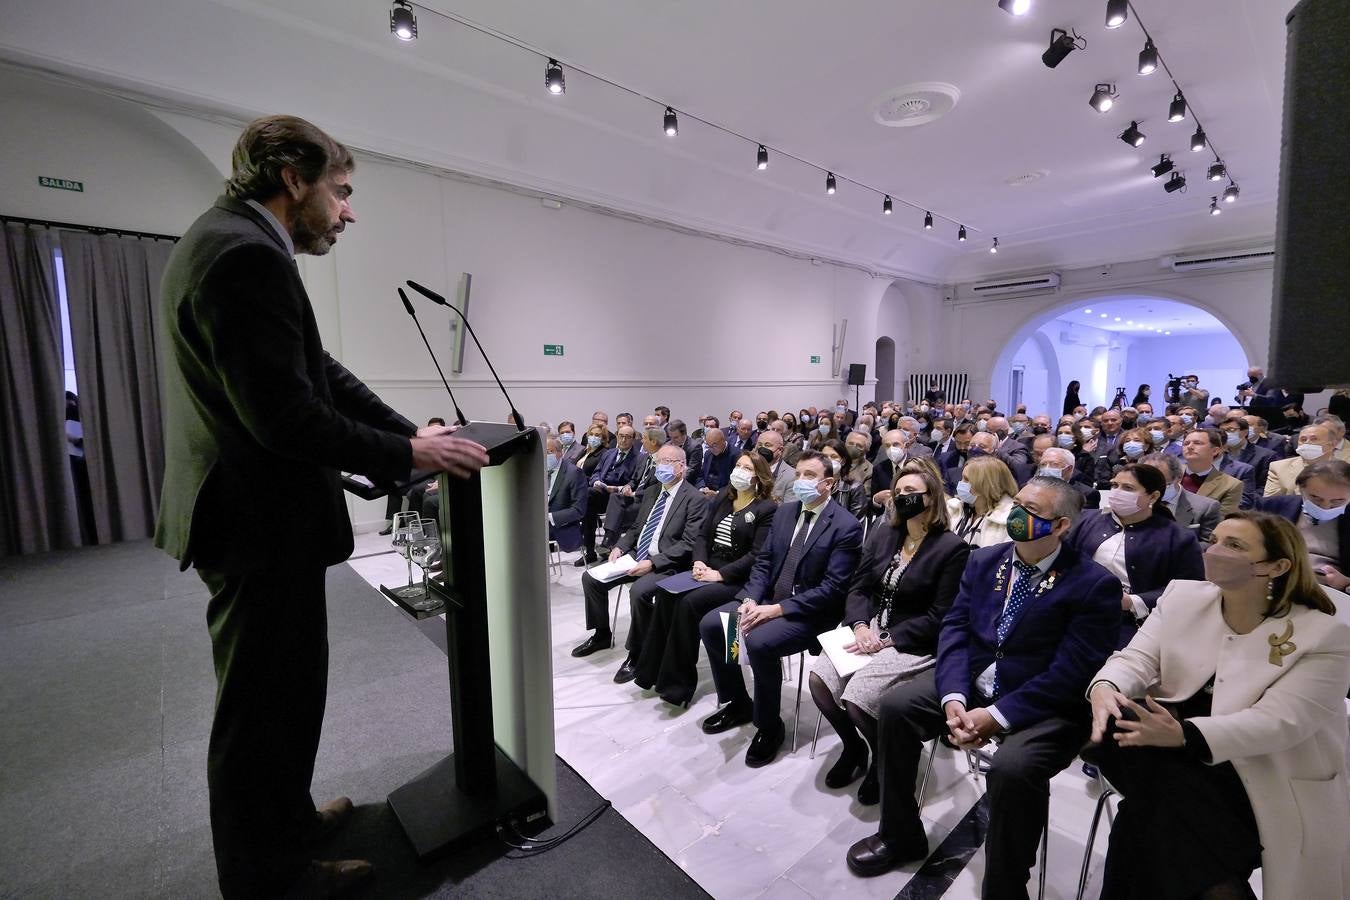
(857, 444)
(1193, 512)
(1237, 448)
(1201, 450)
(1316, 443)
(715, 465)
(566, 492)
(1030, 626)
(1320, 516)
(771, 446)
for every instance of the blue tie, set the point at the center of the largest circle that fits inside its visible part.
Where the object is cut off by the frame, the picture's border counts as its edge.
(649, 530)
(1021, 592)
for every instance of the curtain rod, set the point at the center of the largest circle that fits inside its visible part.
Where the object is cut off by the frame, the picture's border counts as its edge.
(92, 229)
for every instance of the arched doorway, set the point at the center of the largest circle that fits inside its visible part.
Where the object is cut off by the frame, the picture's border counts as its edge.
(885, 369)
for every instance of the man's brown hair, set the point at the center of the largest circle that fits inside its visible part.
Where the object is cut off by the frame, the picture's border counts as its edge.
(273, 143)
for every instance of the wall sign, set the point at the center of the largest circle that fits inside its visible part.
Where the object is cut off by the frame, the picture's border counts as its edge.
(815, 360)
(553, 349)
(61, 184)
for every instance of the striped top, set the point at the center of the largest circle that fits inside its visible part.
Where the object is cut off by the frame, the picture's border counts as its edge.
(722, 534)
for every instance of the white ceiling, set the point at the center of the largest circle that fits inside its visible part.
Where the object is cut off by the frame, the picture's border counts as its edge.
(791, 73)
(1144, 317)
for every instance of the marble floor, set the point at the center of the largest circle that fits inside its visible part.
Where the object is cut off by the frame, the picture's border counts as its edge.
(775, 832)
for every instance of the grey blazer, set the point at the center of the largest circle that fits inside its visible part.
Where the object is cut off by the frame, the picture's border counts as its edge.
(1198, 514)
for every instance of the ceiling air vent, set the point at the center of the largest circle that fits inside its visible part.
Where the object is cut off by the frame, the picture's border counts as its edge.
(1229, 259)
(1025, 284)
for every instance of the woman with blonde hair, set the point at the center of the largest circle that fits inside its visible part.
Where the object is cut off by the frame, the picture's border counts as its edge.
(1231, 756)
(984, 497)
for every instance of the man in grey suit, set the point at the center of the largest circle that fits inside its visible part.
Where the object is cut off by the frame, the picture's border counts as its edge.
(1192, 511)
(771, 443)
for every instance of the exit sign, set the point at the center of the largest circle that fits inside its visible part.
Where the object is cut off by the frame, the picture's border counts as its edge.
(61, 184)
(815, 359)
(553, 349)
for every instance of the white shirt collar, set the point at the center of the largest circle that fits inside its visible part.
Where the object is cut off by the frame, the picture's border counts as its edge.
(276, 226)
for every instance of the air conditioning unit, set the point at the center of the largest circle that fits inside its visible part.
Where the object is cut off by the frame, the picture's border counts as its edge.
(1227, 259)
(1023, 284)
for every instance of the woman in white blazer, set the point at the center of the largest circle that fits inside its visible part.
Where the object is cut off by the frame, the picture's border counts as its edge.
(1236, 758)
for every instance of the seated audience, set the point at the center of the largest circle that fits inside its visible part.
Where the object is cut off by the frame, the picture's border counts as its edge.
(622, 506)
(772, 448)
(795, 592)
(608, 476)
(1261, 436)
(601, 418)
(715, 465)
(953, 461)
(566, 497)
(1056, 462)
(567, 436)
(661, 542)
(1201, 450)
(1134, 443)
(860, 468)
(734, 530)
(1320, 516)
(1135, 538)
(824, 431)
(984, 499)
(743, 437)
(592, 450)
(1222, 727)
(677, 433)
(1236, 431)
(1315, 443)
(1029, 627)
(1193, 512)
(846, 492)
(906, 580)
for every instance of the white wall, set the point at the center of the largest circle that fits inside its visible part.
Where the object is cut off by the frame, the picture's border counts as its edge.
(1215, 358)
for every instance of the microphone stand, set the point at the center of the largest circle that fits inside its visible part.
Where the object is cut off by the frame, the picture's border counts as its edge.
(407, 304)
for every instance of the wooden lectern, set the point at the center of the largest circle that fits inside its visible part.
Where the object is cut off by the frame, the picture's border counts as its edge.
(495, 586)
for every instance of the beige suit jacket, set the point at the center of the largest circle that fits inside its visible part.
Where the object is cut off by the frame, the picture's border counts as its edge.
(1280, 476)
(1223, 489)
(1282, 727)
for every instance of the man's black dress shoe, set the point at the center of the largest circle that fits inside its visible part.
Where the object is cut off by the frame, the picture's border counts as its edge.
(586, 559)
(764, 746)
(728, 717)
(387, 531)
(873, 856)
(851, 766)
(678, 701)
(593, 644)
(627, 672)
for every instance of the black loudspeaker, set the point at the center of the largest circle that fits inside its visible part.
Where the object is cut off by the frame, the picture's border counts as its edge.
(1312, 268)
(857, 374)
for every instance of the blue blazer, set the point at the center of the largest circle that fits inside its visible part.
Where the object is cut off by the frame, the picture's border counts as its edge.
(824, 570)
(567, 504)
(1057, 644)
(1157, 550)
(714, 471)
(613, 472)
(1259, 458)
(1244, 473)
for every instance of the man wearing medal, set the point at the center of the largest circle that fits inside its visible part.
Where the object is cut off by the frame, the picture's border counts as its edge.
(1031, 624)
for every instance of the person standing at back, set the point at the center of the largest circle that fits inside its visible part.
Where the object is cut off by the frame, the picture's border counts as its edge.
(256, 408)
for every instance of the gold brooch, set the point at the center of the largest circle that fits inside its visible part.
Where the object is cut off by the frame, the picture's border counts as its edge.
(1281, 646)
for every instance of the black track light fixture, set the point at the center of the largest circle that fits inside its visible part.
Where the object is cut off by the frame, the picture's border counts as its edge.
(1214, 209)
(1103, 97)
(402, 21)
(1198, 140)
(1163, 167)
(1148, 59)
(672, 122)
(1117, 11)
(993, 248)
(887, 207)
(762, 158)
(961, 233)
(1230, 193)
(1061, 45)
(1217, 171)
(553, 77)
(1133, 136)
(1177, 111)
(1015, 7)
(830, 185)
(1176, 183)
(927, 221)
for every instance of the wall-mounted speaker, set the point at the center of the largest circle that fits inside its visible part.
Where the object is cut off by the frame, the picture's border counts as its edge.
(857, 374)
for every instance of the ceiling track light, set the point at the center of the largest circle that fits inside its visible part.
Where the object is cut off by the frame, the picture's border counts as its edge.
(1133, 136)
(1198, 140)
(1015, 7)
(402, 21)
(1230, 193)
(829, 183)
(1117, 11)
(1061, 45)
(1103, 97)
(762, 158)
(961, 233)
(672, 122)
(1177, 111)
(553, 77)
(1176, 183)
(1217, 171)
(1214, 206)
(1148, 59)
(927, 221)
(887, 207)
(994, 247)
(1164, 166)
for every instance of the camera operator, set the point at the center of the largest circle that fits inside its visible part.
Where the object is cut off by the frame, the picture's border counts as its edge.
(1194, 396)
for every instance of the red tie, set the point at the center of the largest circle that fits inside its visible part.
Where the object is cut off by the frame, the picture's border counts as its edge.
(1191, 482)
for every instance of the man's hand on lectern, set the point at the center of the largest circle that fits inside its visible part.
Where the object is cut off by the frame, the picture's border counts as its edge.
(434, 447)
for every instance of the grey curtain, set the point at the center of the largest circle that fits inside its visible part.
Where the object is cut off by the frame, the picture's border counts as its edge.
(37, 498)
(112, 289)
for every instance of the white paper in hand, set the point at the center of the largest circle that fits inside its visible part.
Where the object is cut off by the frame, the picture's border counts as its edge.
(845, 663)
(608, 571)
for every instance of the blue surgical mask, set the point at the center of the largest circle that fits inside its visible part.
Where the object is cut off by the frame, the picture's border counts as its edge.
(1157, 435)
(1019, 427)
(806, 490)
(1232, 438)
(567, 439)
(982, 425)
(964, 493)
(1253, 435)
(1320, 515)
(1134, 449)
(665, 472)
(551, 462)
(1171, 492)
(1188, 420)
(823, 430)
(1048, 472)
(592, 441)
(1064, 440)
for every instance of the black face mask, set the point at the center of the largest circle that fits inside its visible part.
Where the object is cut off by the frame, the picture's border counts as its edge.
(1039, 429)
(766, 453)
(762, 424)
(907, 506)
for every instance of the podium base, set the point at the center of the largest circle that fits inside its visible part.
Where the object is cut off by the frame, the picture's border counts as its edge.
(436, 814)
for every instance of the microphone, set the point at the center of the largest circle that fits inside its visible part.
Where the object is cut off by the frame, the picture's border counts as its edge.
(437, 298)
(407, 304)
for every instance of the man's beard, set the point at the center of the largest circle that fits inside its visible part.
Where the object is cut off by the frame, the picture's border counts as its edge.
(312, 227)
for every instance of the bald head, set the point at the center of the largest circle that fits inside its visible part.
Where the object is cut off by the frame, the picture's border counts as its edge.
(716, 441)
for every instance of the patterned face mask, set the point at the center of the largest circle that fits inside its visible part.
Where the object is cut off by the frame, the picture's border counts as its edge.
(1024, 525)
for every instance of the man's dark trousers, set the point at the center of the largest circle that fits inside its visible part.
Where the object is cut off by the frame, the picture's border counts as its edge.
(640, 601)
(1018, 783)
(269, 641)
(767, 644)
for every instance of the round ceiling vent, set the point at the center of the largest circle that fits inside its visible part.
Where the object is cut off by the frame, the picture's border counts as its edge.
(1028, 178)
(915, 104)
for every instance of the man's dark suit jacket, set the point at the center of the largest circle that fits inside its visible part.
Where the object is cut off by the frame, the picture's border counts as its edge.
(567, 505)
(611, 471)
(258, 419)
(926, 590)
(715, 471)
(823, 571)
(1243, 473)
(749, 529)
(1058, 642)
(679, 531)
(1292, 507)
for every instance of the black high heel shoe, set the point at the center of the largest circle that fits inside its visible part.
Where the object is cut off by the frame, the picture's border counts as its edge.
(675, 701)
(851, 766)
(869, 792)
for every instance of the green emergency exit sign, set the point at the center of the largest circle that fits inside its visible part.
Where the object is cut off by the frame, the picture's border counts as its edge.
(815, 359)
(61, 184)
(553, 349)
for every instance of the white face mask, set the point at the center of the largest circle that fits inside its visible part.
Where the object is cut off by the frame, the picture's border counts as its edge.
(895, 453)
(1088, 433)
(1171, 493)
(1318, 514)
(1309, 452)
(741, 479)
(834, 466)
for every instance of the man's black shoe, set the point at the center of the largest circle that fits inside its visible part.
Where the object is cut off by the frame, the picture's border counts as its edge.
(627, 672)
(594, 644)
(388, 530)
(873, 856)
(765, 745)
(851, 766)
(728, 717)
(586, 559)
(869, 792)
